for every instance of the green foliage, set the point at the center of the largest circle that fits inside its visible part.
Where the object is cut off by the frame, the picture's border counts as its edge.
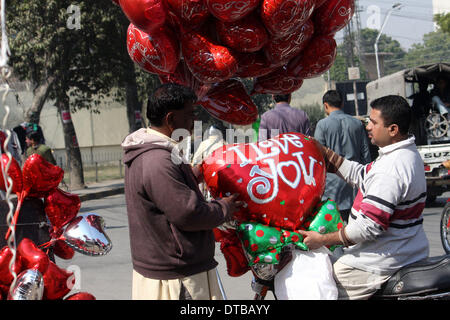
(435, 48)
(443, 21)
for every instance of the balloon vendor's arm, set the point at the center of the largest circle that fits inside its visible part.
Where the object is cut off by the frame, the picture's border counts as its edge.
(315, 240)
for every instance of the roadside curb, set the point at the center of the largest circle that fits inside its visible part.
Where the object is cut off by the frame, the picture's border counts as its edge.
(101, 194)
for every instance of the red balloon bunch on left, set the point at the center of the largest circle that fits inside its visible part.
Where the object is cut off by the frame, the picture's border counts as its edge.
(37, 276)
(205, 44)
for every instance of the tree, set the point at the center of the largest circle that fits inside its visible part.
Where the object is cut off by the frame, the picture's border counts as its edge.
(443, 21)
(435, 48)
(57, 46)
(367, 37)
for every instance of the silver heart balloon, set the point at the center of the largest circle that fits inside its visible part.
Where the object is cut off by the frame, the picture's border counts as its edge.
(29, 286)
(86, 234)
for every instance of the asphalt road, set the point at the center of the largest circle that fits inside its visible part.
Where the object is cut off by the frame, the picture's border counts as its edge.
(109, 277)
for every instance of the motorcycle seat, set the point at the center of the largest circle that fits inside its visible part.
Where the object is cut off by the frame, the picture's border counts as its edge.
(431, 275)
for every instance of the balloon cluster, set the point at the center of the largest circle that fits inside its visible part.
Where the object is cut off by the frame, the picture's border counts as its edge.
(281, 182)
(38, 276)
(208, 45)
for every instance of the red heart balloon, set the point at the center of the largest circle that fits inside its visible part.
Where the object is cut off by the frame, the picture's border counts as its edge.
(183, 76)
(280, 180)
(14, 172)
(281, 17)
(63, 250)
(193, 13)
(147, 15)
(245, 35)
(317, 58)
(57, 282)
(31, 256)
(253, 64)
(40, 177)
(135, 51)
(208, 62)
(231, 247)
(61, 207)
(231, 10)
(333, 15)
(281, 50)
(81, 296)
(229, 101)
(5, 258)
(159, 48)
(277, 82)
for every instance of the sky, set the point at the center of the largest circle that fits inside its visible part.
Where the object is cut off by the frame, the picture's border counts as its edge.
(406, 25)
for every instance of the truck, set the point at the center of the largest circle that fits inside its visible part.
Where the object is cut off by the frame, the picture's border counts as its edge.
(430, 123)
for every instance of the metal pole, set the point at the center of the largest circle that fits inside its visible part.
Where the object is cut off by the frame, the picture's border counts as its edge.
(395, 6)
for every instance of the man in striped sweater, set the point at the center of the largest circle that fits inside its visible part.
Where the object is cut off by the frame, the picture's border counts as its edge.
(385, 231)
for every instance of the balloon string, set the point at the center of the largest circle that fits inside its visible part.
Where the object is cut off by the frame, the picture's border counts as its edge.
(20, 200)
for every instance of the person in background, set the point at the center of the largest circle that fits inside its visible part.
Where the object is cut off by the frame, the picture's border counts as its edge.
(385, 228)
(170, 222)
(346, 136)
(33, 141)
(282, 119)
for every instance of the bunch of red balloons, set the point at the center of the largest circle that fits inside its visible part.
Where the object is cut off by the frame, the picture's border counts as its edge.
(37, 276)
(207, 44)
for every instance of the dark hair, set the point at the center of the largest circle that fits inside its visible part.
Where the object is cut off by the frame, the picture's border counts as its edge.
(394, 110)
(34, 135)
(168, 97)
(281, 97)
(333, 98)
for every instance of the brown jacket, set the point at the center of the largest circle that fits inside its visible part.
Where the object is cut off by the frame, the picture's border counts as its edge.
(170, 222)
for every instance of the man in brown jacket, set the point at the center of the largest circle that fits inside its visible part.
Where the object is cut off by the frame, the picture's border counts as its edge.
(171, 238)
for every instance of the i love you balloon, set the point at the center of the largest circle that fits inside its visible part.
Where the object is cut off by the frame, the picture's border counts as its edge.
(280, 180)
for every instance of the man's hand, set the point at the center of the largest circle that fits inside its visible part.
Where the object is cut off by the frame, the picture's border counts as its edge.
(198, 173)
(232, 203)
(312, 239)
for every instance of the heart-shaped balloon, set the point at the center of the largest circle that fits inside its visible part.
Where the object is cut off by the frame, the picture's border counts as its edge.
(208, 62)
(86, 234)
(316, 59)
(81, 296)
(14, 172)
(63, 250)
(277, 82)
(281, 17)
(281, 50)
(40, 177)
(231, 247)
(253, 64)
(280, 180)
(231, 10)
(57, 282)
(245, 35)
(193, 13)
(159, 48)
(333, 15)
(29, 286)
(136, 52)
(183, 76)
(230, 102)
(61, 207)
(147, 15)
(31, 256)
(5, 259)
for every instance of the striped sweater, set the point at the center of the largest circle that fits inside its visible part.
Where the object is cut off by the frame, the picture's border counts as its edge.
(386, 217)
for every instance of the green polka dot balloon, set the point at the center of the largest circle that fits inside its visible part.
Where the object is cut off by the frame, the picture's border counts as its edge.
(326, 219)
(264, 243)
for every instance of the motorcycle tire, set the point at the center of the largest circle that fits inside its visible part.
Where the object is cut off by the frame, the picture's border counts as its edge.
(445, 228)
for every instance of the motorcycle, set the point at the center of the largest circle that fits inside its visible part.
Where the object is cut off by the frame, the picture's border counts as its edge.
(445, 227)
(428, 279)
